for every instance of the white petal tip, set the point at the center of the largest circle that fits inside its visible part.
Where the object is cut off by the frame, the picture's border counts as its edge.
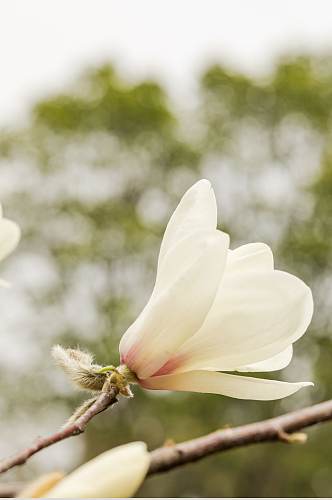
(204, 181)
(202, 184)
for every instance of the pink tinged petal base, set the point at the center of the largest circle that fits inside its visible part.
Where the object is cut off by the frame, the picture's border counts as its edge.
(234, 386)
(170, 366)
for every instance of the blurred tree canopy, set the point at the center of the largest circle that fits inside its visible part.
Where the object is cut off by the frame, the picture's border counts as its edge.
(92, 179)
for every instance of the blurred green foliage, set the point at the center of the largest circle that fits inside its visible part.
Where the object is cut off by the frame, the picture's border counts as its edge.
(92, 179)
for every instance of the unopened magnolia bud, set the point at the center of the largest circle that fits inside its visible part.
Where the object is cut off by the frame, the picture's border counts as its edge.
(79, 367)
(117, 473)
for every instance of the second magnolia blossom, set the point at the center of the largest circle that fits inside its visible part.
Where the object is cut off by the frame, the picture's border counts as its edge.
(117, 473)
(216, 310)
(9, 237)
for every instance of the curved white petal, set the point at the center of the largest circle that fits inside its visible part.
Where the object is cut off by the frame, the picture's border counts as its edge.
(177, 262)
(9, 237)
(250, 257)
(117, 473)
(234, 386)
(184, 254)
(176, 312)
(277, 362)
(196, 210)
(255, 316)
(39, 487)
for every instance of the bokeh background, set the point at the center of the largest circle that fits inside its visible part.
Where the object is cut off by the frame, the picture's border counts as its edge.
(109, 112)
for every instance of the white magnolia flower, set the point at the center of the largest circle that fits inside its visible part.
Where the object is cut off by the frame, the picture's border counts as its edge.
(215, 310)
(117, 473)
(9, 237)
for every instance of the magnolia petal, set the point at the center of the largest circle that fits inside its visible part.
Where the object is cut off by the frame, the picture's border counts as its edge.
(196, 210)
(177, 312)
(234, 386)
(117, 473)
(183, 255)
(4, 283)
(250, 257)
(277, 362)
(255, 316)
(40, 486)
(177, 261)
(9, 237)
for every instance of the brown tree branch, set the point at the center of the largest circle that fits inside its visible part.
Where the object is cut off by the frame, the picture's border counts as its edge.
(275, 429)
(105, 400)
(283, 429)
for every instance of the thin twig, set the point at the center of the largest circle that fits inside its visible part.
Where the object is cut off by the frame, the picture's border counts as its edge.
(275, 429)
(105, 400)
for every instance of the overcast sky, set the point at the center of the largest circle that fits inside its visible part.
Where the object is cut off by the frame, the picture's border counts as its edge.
(44, 43)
